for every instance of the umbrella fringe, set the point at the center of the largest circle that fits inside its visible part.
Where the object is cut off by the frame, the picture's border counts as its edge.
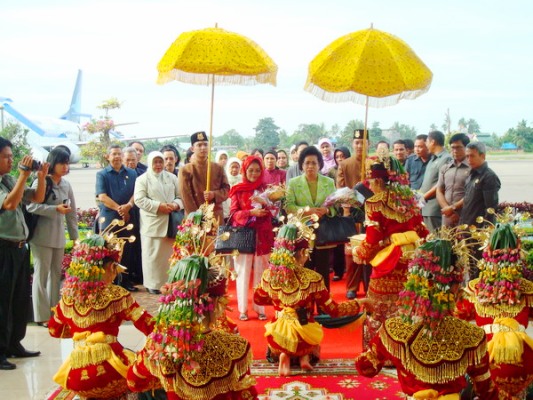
(358, 98)
(207, 79)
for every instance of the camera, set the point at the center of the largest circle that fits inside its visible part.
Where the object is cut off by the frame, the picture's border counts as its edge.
(36, 165)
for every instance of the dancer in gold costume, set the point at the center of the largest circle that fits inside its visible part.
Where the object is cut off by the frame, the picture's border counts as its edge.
(191, 353)
(90, 312)
(431, 349)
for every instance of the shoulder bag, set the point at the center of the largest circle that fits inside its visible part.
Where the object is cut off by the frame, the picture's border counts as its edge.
(241, 238)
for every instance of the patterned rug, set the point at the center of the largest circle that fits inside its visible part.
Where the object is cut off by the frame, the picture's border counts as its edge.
(334, 379)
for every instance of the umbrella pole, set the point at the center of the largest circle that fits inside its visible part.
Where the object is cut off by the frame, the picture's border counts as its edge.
(208, 185)
(365, 136)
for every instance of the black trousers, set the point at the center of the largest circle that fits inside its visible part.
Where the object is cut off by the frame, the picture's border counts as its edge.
(15, 300)
(320, 262)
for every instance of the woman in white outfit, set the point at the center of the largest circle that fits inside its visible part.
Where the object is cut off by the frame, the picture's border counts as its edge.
(48, 241)
(157, 195)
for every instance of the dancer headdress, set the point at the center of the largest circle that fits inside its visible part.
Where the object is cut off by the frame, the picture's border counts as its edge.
(86, 270)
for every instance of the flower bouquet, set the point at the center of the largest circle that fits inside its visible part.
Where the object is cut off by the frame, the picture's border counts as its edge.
(343, 197)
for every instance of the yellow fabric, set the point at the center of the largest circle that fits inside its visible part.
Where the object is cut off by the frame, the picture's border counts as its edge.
(201, 56)
(368, 63)
(93, 345)
(286, 328)
(397, 239)
(429, 394)
(507, 346)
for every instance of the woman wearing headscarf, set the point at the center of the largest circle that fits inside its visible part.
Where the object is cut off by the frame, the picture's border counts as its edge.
(247, 210)
(340, 154)
(326, 148)
(157, 195)
(48, 242)
(221, 158)
(233, 169)
(273, 175)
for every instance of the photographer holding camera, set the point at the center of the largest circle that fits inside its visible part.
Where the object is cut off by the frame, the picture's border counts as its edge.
(14, 255)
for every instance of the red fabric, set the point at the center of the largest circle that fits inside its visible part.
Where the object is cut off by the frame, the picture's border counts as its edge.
(240, 211)
(274, 176)
(246, 185)
(411, 384)
(91, 380)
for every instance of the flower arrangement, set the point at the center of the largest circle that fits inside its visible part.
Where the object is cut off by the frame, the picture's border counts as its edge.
(341, 197)
(501, 268)
(427, 297)
(87, 218)
(178, 334)
(298, 228)
(100, 125)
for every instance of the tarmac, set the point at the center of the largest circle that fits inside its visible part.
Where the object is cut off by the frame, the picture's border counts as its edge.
(516, 177)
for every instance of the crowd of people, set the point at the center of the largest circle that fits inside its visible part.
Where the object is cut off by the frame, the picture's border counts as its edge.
(402, 202)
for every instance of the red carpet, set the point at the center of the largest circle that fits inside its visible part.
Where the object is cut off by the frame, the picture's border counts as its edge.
(337, 343)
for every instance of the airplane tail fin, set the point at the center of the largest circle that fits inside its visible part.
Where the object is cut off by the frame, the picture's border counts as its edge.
(74, 112)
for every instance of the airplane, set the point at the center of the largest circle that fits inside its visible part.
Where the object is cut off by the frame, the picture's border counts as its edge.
(45, 133)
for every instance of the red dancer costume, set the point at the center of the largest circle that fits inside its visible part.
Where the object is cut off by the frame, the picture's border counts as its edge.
(294, 291)
(393, 225)
(431, 349)
(500, 301)
(188, 354)
(90, 312)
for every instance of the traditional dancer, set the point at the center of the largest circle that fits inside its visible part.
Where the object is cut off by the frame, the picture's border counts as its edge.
(187, 353)
(393, 226)
(294, 291)
(500, 301)
(90, 312)
(431, 349)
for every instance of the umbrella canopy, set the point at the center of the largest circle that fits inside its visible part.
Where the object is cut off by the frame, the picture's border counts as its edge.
(214, 55)
(368, 67)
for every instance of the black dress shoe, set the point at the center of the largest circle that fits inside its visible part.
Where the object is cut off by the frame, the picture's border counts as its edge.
(130, 288)
(6, 365)
(153, 291)
(20, 352)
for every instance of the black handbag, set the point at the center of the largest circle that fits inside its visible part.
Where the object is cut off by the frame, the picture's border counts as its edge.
(174, 220)
(334, 230)
(241, 238)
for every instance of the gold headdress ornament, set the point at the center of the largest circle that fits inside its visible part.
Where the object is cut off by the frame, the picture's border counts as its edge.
(86, 270)
(500, 289)
(437, 265)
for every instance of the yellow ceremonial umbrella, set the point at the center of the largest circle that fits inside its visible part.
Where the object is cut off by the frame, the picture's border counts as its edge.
(368, 67)
(213, 55)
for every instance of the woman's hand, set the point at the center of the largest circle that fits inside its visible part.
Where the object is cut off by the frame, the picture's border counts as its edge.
(165, 208)
(319, 211)
(259, 212)
(63, 209)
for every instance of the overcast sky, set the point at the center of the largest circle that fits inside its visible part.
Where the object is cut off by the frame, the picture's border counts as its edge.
(480, 53)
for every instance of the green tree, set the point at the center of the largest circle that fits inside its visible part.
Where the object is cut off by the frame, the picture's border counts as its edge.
(433, 127)
(230, 138)
(266, 134)
(522, 136)
(311, 132)
(16, 134)
(346, 136)
(405, 131)
(470, 126)
(447, 125)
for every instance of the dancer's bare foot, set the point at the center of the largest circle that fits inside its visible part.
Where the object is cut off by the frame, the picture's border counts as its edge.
(284, 368)
(305, 364)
